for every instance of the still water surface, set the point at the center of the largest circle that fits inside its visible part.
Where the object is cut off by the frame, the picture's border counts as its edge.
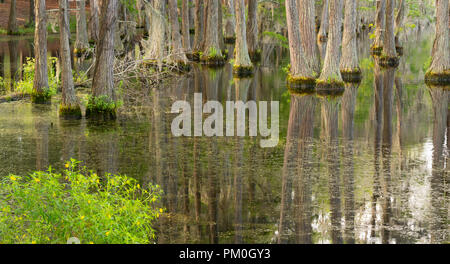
(365, 167)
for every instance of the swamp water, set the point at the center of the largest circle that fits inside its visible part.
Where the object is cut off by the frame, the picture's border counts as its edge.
(377, 154)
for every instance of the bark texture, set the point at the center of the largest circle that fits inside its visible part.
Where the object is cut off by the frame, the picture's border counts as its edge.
(252, 29)
(155, 45)
(185, 26)
(69, 100)
(81, 42)
(178, 55)
(199, 26)
(379, 24)
(389, 36)
(103, 81)
(242, 58)
(349, 61)
(399, 22)
(299, 66)
(441, 49)
(40, 49)
(330, 72)
(324, 22)
(12, 22)
(93, 21)
(307, 13)
(230, 23)
(212, 51)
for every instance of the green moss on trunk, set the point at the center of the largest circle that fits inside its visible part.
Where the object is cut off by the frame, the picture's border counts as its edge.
(229, 40)
(438, 78)
(351, 75)
(41, 97)
(255, 56)
(70, 112)
(240, 71)
(389, 62)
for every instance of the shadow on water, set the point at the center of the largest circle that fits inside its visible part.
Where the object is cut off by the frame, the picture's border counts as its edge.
(365, 166)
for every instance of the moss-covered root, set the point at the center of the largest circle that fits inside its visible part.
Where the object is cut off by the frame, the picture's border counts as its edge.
(229, 40)
(301, 85)
(438, 78)
(70, 112)
(41, 97)
(376, 50)
(255, 56)
(331, 87)
(101, 109)
(212, 61)
(389, 62)
(97, 114)
(241, 71)
(351, 75)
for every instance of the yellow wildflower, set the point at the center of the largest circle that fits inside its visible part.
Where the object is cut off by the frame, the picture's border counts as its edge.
(82, 217)
(67, 165)
(33, 242)
(37, 180)
(160, 210)
(13, 178)
(107, 233)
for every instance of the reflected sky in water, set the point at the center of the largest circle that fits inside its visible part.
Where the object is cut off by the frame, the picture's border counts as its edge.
(365, 167)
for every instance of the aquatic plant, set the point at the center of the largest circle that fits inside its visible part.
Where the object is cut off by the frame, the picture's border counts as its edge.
(49, 207)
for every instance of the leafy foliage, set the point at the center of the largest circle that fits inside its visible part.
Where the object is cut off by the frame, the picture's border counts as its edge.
(49, 207)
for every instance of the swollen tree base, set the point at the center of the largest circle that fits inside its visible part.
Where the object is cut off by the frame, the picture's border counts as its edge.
(376, 50)
(41, 97)
(229, 40)
(240, 71)
(351, 75)
(255, 56)
(330, 87)
(336, 91)
(212, 60)
(98, 114)
(389, 62)
(438, 78)
(70, 112)
(300, 85)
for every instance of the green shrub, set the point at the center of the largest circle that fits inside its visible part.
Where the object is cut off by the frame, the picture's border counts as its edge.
(26, 84)
(49, 207)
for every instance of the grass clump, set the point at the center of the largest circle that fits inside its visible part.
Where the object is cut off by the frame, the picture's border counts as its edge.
(102, 108)
(49, 208)
(213, 57)
(241, 71)
(70, 112)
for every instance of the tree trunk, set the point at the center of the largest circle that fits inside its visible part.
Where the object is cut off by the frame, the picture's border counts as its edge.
(349, 62)
(155, 46)
(220, 26)
(379, 25)
(81, 42)
(93, 22)
(199, 26)
(441, 51)
(185, 26)
(389, 36)
(230, 24)
(324, 23)
(300, 70)
(252, 31)
(331, 74)
(69, 103)
(40, 85)
(178, 55)
(32, 17)
(399, 23)
(307, 12)
(12, 22)
(212, 53)
(242, 58)
(103, 79)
